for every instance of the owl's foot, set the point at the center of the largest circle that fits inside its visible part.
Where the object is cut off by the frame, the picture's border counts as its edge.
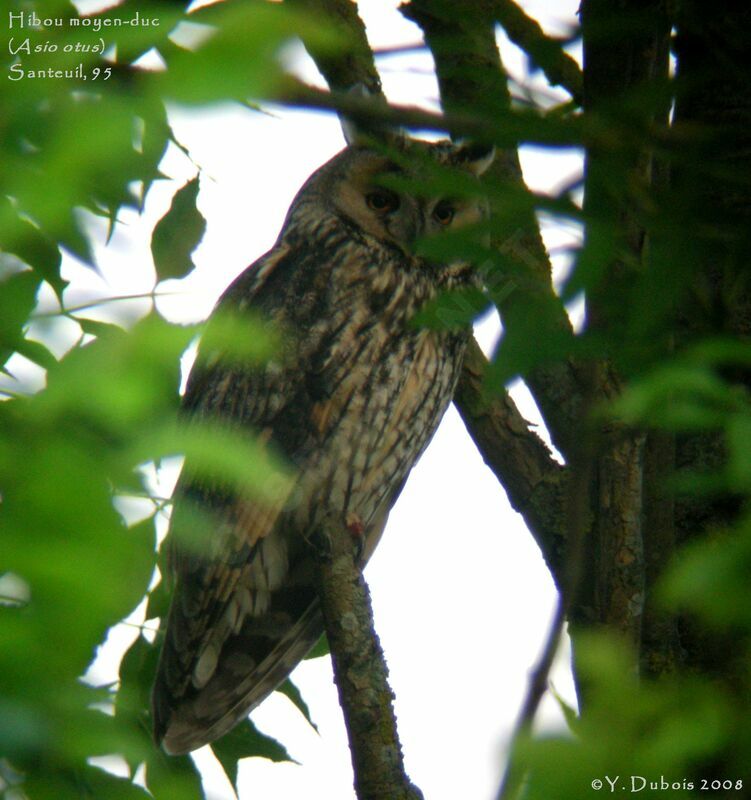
(320, 539)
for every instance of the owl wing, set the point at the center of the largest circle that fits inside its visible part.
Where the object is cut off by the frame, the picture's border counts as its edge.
(221, 593)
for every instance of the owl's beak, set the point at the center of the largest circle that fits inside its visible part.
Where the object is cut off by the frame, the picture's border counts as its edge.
(415, 227)
(407, 230)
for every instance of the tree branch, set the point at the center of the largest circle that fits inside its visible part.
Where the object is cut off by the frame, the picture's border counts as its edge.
(546, 53)
(508, 128)
(360, 672)
(471, 77)
(359, 666)
(352, 62)
(534, 481)
(619, 64)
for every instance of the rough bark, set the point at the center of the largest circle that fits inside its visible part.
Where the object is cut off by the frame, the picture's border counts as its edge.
(352, 61)
(360, 673)
(713, 120)
(622, 66)
(534, 482)
(660, 646)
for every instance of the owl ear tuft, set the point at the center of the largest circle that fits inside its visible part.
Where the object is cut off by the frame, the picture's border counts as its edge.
(356, 132)
(353, 133)
(475, 156)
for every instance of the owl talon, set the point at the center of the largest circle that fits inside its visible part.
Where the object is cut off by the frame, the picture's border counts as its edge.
(320, 541)
(354, 525)
(357, 531)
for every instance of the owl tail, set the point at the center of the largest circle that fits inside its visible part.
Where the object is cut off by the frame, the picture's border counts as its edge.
(220, 659)
(245, 668)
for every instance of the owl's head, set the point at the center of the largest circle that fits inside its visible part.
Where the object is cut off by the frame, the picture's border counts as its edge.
(405, 189)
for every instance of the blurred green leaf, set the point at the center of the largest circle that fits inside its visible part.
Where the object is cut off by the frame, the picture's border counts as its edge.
(288, 689)
(237, 56)
(98, 329)
(217, 452)
(178, 233)
(31, 245)
(159, 600)
(103, 784)
(455, 309)
(680, 396)
(17, 299)
(652, 729)
(239, 339)
(320, 648)
(570, 714)
(37, 353)
(246, 741)
(173, 777)
(710, 575)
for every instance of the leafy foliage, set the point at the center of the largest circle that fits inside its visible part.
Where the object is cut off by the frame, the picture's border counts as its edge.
(74, 566)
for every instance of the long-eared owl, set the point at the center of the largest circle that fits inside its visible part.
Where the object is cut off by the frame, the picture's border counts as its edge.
(351, 402)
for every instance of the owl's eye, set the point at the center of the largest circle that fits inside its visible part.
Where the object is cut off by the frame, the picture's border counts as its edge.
(382, 201)
(444, 212)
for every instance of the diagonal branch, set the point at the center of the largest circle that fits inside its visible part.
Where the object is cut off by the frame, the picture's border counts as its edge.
(471, 76)
(517, 456)
(351, 62)
(546, 53)
(534, 482)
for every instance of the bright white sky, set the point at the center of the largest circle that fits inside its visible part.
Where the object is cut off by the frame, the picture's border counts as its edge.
(461, 596)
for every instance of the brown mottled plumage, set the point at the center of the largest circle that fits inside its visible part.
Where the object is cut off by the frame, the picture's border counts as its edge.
(351, 403)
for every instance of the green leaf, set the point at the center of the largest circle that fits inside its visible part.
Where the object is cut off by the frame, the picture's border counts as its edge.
(320, 648)
(738, 428)
(80, 781)
(173, 777)
(288, 689)
(159, 600)
(103, 784)
(31, 245)
(454, 309)
(155, 140)
(216, 451)
(246, 741)
(709, 576)
(17, 299)
(132, 703)
(238, 338)
(239, 55)
(37, 353)
(679, 395)
(120, 381)
(99, 329)
(178, 233)
(570, 714)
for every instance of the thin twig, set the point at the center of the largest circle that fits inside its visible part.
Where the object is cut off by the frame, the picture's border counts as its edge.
(577, 522)
(68, 311)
